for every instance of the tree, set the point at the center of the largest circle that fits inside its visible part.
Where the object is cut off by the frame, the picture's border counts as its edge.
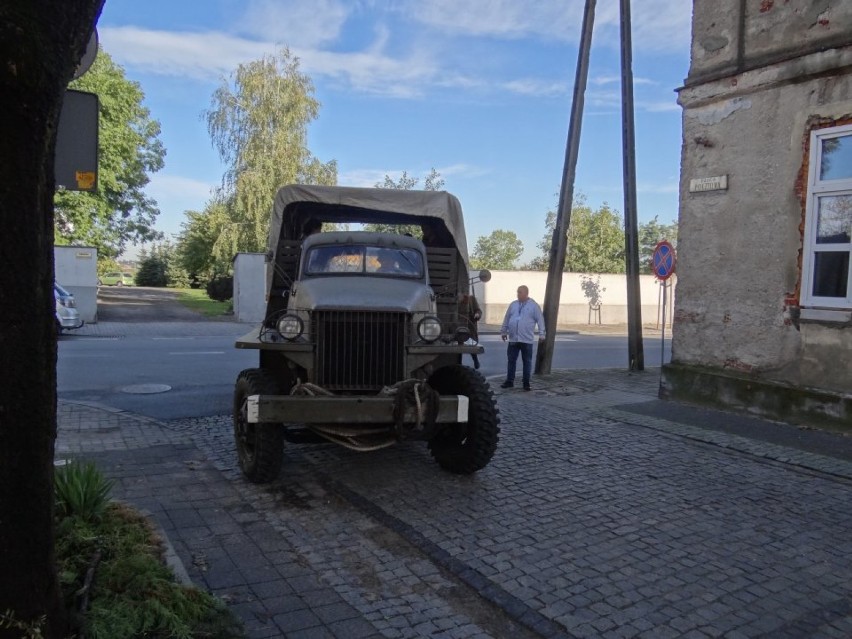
(41, 43)
(129, 152)
(258, 124)
(500, 251)
(432, 182)
(650, 234)
(204, 248)
(595, 240)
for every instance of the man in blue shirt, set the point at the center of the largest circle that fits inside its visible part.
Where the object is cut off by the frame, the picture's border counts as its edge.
(519, 330)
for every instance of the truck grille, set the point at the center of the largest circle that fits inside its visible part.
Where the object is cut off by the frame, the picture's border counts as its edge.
(359, 350)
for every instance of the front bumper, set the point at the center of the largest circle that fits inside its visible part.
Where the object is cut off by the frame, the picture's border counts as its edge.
(70, 322)
(453, 409)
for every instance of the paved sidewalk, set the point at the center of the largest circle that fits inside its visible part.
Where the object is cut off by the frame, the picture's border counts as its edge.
(605, 513)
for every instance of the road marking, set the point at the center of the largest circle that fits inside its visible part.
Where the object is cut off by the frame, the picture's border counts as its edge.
(198, 353)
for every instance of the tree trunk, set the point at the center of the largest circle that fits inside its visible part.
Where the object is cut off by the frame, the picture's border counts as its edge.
(41, 42)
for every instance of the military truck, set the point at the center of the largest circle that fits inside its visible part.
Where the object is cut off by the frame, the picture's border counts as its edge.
(364, 333)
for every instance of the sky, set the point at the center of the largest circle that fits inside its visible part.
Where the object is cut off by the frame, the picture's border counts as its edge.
(480, 90)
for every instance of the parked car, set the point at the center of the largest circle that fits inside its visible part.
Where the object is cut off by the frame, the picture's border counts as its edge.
(116, 279)
(67, 315)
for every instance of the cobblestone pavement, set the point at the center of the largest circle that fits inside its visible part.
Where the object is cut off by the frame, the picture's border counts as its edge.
(593, 520)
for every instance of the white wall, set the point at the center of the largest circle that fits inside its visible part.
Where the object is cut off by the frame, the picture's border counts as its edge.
(249, 287)
(77, 272)
(497, 294)
(494, 296)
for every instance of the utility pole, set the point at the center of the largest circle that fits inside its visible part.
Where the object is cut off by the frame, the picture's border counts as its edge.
(544, 356)
(636, 355)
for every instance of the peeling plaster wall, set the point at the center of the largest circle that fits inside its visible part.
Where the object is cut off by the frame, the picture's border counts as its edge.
(739, 248)
(731, 36)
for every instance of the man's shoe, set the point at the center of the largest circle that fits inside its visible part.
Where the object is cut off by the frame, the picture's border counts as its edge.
(506, 385)
(527, 388)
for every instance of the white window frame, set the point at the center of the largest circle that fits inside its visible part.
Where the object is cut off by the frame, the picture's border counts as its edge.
(818, 188)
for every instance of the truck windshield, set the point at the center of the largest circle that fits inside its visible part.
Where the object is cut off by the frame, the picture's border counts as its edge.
(372, 260)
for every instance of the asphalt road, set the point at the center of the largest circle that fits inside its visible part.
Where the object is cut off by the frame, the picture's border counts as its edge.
(199, 370)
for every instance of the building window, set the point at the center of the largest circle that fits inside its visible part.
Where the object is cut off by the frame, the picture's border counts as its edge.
(826, 281)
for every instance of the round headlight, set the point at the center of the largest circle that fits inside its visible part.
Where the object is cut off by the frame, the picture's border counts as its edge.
(290, 327)
(429, 329)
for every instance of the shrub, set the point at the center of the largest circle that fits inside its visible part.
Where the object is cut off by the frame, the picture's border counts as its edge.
(81, 491)
(176, 276)
(221, 288)
(152, 272)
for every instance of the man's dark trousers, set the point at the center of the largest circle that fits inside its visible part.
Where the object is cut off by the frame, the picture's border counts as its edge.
(526, 351)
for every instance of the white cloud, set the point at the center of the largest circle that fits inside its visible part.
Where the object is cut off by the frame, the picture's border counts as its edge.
(371, 177)
(461, 170)
(364, 177)
(299, 24)
(210, 55)
(501, 18)
(202, 56)
(378, 67)
(616, 79)
(536, 87)
(657, 24)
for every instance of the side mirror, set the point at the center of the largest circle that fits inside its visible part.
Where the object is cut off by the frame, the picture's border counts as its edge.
(484, 275)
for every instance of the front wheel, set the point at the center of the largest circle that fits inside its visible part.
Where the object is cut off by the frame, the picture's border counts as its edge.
(465, 448)
(260, 447)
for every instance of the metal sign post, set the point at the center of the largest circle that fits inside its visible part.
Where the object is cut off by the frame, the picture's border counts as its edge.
(663, 264)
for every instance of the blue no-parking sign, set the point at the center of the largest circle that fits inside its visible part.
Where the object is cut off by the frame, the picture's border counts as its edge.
(664, 260)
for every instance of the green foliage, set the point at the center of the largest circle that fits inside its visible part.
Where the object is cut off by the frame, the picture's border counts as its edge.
(499, 251)
(204, 248)
(595, 240)
(176, 275)
(134, 593)
(81, 491)
(258, 124)
(432, 182)
(152, 271)
(129, 151)
(221, 288)
(161, 267)
(649, 235)
(27, 630)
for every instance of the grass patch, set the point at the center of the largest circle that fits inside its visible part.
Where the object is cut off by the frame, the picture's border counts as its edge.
(115, 581)
(195, 299)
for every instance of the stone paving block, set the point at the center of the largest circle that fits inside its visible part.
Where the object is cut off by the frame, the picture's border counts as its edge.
(270, 589)
(329, 613)
(294, 620)
(352, 629)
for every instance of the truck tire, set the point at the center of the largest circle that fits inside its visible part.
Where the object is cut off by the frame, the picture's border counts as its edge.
(465, 448)
(260, 447)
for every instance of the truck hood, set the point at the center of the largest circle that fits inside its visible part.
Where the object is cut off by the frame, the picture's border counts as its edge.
(362, 293)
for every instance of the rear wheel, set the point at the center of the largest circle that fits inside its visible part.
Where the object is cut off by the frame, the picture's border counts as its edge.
(260, 447)
(466, 448)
